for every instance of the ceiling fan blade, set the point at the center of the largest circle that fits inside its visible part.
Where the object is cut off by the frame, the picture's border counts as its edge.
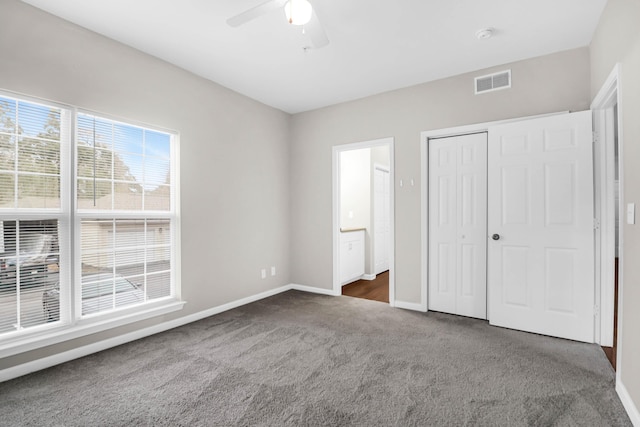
(316, 33)
(255, 12)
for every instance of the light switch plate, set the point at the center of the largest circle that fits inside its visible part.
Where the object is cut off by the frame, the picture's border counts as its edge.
(631, 213)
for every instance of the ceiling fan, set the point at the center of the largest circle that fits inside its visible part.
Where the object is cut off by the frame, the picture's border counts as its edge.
(298, 12)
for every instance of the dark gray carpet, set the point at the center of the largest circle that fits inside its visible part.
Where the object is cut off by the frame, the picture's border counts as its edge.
(310, 360)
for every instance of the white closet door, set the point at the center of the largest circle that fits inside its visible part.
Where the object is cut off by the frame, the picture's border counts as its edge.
(457, 225)
(541, 268)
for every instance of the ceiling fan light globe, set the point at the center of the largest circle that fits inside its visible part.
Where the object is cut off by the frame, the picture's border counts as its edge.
(298, 12)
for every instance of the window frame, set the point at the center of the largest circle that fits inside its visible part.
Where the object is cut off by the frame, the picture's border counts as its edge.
(72, 323)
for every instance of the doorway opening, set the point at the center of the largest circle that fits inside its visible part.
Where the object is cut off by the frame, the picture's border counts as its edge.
(363, 220)
(609, 209)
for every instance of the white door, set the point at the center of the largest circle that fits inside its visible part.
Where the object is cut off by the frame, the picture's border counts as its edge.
(381, 218)
(458, 225)
(541, 267)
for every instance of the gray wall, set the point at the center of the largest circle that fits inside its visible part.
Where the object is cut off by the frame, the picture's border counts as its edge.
(234, 152)
(617, 39)
(541, 85)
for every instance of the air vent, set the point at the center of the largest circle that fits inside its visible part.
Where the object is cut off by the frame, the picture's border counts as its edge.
(491, 82)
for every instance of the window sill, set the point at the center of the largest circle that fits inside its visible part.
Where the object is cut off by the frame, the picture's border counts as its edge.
(88, 326)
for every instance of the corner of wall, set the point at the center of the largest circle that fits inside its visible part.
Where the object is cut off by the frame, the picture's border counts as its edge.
(627, 402)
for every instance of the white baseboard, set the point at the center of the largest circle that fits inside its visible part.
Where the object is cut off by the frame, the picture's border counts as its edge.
(409, 306)
(368, 277)
(627, 402)
(56, 359)
(233, 304)
(313, 289)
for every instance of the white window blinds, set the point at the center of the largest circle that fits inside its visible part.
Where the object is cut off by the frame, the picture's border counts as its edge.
(113, 186)
(122, 167)
(31, 166)
(128, 259)
(124, 198)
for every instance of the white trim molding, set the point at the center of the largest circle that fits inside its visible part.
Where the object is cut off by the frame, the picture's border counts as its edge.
(50, 336)
(602, 108)
(609, 88)
(335, 174)
(314, 290)
(410, 306)
(627, 402)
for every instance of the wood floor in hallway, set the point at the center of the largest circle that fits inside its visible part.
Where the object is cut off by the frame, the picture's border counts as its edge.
(376, 290)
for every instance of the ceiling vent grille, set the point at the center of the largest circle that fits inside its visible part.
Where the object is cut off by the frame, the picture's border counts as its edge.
(491, 82)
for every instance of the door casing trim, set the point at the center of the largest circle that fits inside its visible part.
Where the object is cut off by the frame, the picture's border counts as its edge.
(604, 101)
(336, 150)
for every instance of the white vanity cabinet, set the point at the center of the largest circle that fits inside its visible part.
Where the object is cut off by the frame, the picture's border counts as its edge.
(351, 254)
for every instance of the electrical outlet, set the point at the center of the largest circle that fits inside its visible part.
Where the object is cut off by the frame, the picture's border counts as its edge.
(273, 271)
(263, 272)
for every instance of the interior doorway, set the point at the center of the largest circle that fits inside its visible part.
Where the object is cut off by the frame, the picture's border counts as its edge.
(609, 212)
(363, 220)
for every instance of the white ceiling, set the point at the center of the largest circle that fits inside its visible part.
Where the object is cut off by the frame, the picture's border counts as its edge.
(375, 45)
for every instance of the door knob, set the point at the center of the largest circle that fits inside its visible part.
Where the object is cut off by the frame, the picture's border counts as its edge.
(496, 237)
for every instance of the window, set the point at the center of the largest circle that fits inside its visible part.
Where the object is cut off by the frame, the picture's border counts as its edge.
(125, 212)
(85, 241)
(32, 143)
